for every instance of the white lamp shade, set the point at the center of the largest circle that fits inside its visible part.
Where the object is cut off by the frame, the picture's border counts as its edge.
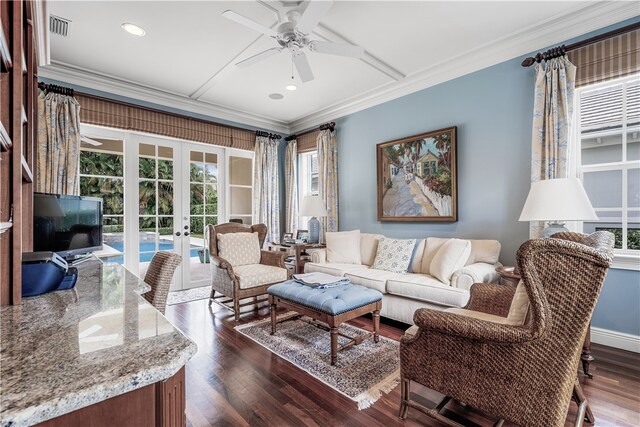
(562, 199)
(313, 206)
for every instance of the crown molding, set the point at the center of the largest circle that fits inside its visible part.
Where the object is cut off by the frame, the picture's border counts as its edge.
(558, 29)
(92, 80)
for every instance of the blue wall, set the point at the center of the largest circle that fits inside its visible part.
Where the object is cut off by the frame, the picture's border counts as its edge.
(492, 109)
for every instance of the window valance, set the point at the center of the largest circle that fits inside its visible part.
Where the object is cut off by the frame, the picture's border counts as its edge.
(114, 114)
(307, 141)
(608, 59)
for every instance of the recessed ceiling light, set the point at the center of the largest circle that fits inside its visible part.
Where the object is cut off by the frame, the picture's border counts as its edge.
(133, 29)
(291, 87)
(276, 96)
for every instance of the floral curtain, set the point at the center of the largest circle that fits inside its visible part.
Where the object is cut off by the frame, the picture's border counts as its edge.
(552, 121)
(266, 199)
(291, 177)
(328, 179)
(58, 144)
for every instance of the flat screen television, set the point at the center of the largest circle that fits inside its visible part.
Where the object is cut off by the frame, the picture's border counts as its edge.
(67, 225)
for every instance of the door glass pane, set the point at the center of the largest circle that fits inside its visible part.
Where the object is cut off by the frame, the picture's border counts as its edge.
(165, 233)
(165, 169)
(147, 167)
(147, 194)
(211, 199)
(197, 199)
(165, 198)
(102, 176)
(633, 188)
(148, 234)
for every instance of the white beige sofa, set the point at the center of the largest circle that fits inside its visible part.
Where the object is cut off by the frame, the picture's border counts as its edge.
(404, 293)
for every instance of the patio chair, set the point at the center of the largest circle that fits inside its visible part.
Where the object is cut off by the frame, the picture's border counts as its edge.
(240, 268)
(158, 276)
(526, 372)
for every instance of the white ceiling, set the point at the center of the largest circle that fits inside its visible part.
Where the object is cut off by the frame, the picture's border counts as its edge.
(187, 58)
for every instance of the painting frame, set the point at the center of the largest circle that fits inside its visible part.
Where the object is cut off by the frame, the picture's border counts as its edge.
(418, 177)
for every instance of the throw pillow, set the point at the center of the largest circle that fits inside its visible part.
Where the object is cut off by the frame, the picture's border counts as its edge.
(519, 308)
(343, 247)
(431, 246)
(369, 247)
(239, 248)
(394, 254)
(484, 251)
(450, 257)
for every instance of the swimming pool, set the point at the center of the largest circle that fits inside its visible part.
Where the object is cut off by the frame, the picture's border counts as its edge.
(147, 250)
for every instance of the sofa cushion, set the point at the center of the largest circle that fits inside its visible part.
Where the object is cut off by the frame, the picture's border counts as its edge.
(369, 247)
(371, 278)
(431, 246)
(423, 287)
(416, 258)
(484, 251)
(450, 257)
(334, 268)
(343, 247)
(254, 275)
(394, 254)
(239, 248)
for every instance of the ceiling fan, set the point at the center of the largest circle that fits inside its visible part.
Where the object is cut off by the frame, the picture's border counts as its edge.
(293, 36)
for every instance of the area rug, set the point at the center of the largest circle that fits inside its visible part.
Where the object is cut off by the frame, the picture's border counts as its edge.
(362, 372)
(193, 294)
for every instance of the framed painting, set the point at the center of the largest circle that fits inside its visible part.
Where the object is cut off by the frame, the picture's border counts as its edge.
(417, 178)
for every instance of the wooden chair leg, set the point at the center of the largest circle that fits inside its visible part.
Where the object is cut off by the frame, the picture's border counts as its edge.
(584, 411)
(236, 308)
(405, 391)
(212, 296)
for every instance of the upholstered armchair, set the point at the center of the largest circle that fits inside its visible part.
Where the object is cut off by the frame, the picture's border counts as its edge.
(524, 372)
(240, 268)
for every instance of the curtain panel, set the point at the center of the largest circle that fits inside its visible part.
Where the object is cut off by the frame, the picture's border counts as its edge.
(113, 114)
(608, 59)
(291, 184)
(266, 199)
(58, 144)
(552, 121)
(328, 179)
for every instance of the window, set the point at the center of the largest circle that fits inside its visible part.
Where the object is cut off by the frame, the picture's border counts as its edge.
(307, 180)
(608, 159)
(102, 175)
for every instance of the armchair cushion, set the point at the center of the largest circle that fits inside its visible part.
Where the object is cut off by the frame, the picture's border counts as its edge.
(239, 248)
(450, 257)
(519, 306)
(343, 247)
(254, 275)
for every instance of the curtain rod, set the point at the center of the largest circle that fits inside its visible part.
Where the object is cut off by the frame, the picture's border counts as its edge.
(556, 52)
(330, 125)
(55, 89)
(267, 134)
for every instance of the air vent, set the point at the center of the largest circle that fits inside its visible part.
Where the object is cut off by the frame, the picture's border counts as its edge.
(59, 26)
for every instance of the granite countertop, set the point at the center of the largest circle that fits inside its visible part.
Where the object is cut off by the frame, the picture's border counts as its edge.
(66, 350)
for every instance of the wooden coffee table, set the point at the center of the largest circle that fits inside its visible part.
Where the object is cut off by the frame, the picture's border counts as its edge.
(331, 306)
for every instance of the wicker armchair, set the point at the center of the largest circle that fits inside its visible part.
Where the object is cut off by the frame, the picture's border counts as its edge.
(236, 284)
(158, 276)
(525, 374)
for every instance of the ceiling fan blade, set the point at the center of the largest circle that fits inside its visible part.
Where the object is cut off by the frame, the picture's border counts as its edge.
(303, 67)
(258, 57)
(312, 15)
(350, 50)
(250, 23)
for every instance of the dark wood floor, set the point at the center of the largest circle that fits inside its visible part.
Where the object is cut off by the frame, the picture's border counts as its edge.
(233, 381)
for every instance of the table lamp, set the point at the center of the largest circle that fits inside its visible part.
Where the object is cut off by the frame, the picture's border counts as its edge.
(313, 206)
(556, 201)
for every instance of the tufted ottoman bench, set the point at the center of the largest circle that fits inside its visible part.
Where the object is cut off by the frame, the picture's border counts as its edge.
(332, 306)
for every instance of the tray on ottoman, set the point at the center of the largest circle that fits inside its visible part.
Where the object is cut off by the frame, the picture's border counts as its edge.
(332, 306)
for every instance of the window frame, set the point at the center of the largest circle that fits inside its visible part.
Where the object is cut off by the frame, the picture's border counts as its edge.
(624, 258)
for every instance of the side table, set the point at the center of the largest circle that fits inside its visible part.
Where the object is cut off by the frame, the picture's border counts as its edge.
(508, 276)
(298, 251)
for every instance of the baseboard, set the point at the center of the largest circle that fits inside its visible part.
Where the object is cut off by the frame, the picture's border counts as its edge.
(615, 339)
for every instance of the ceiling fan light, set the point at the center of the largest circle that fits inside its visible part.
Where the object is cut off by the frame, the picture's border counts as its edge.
(291, 86)
(134, 29)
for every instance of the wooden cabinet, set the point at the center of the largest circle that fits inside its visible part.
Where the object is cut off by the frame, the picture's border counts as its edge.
(18, 98)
